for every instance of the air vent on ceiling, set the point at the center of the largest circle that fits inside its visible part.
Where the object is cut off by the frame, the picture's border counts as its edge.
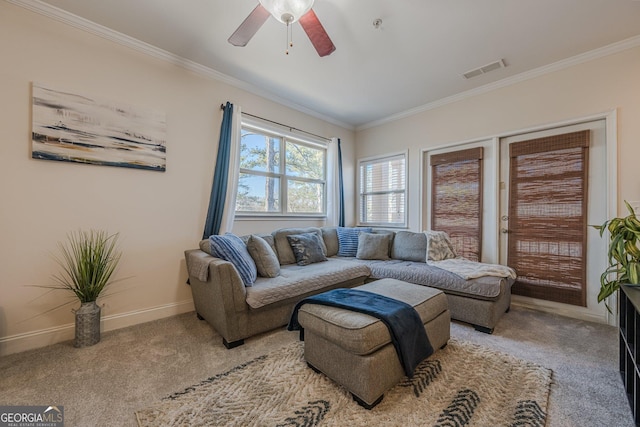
(484, 69)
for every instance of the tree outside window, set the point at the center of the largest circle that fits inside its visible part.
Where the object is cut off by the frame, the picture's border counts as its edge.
(280, 175)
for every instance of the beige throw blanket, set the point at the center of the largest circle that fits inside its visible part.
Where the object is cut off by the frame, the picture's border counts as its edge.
(472, 270)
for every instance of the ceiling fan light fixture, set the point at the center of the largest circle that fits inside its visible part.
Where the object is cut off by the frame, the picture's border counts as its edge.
(287, 11)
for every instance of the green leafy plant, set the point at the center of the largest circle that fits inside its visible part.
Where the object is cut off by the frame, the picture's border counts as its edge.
(623, 253)
(88, 260)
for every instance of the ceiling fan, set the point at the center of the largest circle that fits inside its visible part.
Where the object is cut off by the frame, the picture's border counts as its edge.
(287, 12)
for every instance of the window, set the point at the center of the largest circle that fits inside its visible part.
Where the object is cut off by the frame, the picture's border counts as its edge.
(383, 191)
(280, 174)
(456, 199)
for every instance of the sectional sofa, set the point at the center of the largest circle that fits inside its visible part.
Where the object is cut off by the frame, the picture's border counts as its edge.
(239, 305)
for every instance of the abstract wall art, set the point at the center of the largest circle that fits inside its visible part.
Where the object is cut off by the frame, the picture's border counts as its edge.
(75, 128)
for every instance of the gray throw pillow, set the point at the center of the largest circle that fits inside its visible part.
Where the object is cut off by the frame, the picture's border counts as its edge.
(266, 260)
(348, 240)
(409, 246)
(330, 237)
(267, 238)
(373, 246)
(283, 248)
(306, 248)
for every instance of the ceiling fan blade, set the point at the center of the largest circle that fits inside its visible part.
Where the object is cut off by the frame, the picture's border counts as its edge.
(317, 34)
(249, 26)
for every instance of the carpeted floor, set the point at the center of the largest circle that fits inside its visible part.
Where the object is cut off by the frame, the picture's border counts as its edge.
(462, 384)
(134, 368)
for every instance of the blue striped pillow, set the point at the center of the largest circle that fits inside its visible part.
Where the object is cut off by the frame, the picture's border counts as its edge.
(348, 240)
(231, 248)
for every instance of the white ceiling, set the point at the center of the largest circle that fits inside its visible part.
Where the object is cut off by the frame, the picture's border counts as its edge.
(415, 58)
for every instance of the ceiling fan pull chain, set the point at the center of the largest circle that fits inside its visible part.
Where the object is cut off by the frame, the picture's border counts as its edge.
(289, 38)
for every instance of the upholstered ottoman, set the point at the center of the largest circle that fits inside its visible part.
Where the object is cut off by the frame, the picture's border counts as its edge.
(355, 349)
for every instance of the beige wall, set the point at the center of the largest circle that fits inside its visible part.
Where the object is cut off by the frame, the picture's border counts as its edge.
(158, 215)
(584, 90)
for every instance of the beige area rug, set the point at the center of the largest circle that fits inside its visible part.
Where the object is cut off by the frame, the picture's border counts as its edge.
(463, 384)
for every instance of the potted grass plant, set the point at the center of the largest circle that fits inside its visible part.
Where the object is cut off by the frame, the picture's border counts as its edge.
(623, 254)
(88, 260)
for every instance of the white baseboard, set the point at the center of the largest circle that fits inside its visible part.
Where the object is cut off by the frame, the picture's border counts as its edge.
(560, 309)
(43, 337)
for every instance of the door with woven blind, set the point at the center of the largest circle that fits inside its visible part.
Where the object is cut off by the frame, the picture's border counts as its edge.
(553, 184)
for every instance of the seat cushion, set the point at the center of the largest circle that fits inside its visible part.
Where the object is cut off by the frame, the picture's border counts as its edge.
(362, 334)
(297, 280)
(488, 288)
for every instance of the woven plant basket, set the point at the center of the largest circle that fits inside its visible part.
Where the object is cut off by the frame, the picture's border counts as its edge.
(87, 324)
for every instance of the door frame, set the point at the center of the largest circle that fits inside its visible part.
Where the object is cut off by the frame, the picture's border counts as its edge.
(611, 174)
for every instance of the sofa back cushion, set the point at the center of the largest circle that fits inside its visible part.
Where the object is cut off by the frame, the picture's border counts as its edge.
(409, 246)
(283, 248)
(263, 255)
(230, 248)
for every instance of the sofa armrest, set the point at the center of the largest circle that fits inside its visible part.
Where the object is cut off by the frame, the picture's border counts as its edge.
(221, 297)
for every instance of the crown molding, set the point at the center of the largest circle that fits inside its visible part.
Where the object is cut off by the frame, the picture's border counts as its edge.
(611, 49)
(83, 24)
(70, 19)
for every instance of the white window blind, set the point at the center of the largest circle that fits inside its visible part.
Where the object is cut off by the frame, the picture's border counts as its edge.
(383, 194)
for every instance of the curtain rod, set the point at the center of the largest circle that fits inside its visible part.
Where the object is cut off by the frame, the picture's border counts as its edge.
(291, 128)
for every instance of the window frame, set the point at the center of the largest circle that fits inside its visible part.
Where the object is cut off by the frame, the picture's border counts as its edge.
(284, 136)
(379, 159)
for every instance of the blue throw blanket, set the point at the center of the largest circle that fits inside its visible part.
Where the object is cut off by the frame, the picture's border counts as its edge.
(405, 326)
